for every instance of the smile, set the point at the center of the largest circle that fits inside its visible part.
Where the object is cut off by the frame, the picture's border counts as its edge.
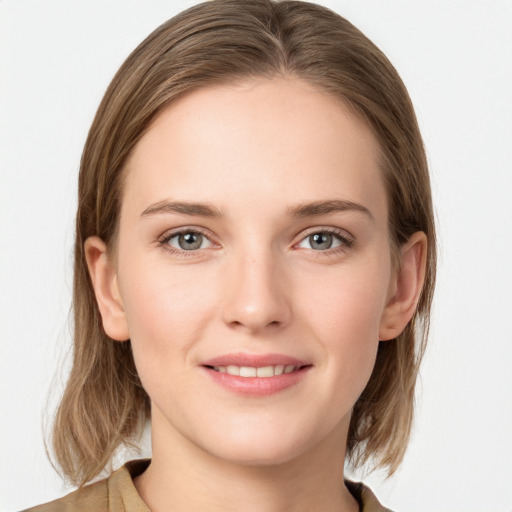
(256, 375)
(262, 371)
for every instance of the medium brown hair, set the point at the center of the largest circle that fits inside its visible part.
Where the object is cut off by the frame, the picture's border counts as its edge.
(104, 404)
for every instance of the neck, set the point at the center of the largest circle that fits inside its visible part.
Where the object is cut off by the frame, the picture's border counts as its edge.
(182, 477)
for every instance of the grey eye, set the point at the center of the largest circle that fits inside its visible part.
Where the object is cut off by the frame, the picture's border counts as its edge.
(189, 241)
(323, 241)
(320, 241)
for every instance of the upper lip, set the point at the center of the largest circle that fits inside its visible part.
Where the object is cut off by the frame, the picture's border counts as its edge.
(254, 360)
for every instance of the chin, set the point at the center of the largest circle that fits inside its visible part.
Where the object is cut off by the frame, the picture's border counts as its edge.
(261, 447)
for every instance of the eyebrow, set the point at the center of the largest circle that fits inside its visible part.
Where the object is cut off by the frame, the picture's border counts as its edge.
(183, 208)
(313, 209)
(318, 208)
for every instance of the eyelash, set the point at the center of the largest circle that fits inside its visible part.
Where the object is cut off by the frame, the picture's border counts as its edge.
(346, 241)
(167, 237)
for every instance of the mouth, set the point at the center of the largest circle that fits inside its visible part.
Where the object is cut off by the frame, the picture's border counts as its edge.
(256, 375)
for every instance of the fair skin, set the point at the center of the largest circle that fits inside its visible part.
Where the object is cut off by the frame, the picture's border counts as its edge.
(286, 258)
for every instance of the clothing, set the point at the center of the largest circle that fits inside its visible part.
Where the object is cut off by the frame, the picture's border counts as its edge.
(118, 494)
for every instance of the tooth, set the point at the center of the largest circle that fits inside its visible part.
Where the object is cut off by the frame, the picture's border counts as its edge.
(233, 370)
(247, 371)
(250, 371)
(265, 371)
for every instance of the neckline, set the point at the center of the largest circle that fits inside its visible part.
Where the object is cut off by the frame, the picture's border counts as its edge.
(136, 467)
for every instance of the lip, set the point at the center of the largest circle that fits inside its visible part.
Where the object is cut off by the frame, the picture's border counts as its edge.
(254, 360)
(256, 386)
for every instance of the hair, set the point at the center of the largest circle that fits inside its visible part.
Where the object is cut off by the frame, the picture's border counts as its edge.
(223, 41)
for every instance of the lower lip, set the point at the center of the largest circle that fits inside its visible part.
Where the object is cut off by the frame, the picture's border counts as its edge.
(257, 386)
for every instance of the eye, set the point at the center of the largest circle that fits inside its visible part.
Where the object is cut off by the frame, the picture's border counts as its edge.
(324, 240)
(189, 240)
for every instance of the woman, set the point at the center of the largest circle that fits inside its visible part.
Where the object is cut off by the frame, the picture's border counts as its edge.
(254, 267)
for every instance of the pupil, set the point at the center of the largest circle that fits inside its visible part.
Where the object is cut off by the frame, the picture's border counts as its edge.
(190, 241)
(321, 241)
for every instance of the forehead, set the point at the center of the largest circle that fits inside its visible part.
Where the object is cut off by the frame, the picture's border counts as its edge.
(262, 138)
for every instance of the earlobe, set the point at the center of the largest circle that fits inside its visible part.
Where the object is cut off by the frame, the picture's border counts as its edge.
(407, 285)
(106, 288)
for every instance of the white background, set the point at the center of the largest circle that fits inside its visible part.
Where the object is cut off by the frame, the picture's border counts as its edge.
(58, 56)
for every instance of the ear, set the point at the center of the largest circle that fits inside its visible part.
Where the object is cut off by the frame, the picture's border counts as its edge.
(106, 288)
(405, 288)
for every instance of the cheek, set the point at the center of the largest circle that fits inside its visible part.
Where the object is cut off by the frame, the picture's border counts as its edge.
(166, 314)
(344, 316)
(346, 302)
(348, 329)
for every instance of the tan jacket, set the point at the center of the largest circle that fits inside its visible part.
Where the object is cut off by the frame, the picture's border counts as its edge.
(118, 494)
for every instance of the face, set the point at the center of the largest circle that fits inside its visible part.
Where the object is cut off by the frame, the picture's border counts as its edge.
(253, 270)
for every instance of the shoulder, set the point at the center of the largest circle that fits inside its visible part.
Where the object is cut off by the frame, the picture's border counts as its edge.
(114, 494)
(88, 498)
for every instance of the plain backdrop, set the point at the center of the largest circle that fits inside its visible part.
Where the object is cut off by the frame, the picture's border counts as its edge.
(58, 56)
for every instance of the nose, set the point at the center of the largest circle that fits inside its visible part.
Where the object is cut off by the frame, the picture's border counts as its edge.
(257, 296)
